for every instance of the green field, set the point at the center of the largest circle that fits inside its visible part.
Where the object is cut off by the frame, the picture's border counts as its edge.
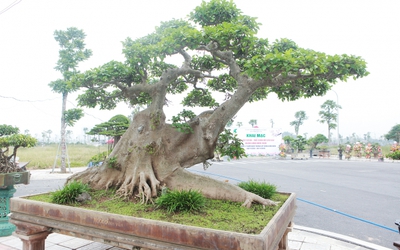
(41, 157)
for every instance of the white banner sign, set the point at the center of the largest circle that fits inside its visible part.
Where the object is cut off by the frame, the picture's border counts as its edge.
(260, 141)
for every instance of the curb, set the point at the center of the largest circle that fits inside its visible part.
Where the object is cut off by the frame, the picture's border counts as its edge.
(341, 237)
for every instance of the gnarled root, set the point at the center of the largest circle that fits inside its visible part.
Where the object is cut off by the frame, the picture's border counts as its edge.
(250, 198)
(214, 189)
(146, 183)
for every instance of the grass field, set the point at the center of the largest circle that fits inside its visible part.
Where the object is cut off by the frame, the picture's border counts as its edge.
(41, 157)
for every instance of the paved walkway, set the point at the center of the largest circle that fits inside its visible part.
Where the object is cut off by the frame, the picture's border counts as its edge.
(301, 238)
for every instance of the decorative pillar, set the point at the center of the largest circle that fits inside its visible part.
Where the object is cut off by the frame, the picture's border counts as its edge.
(33, 236)
(6, 192)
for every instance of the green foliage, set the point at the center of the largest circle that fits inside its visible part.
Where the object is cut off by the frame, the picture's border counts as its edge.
(200, 98)
(317, 139)
(299, 143)
(263, 189)
(11, 138)
(230, 145)
(150, 148)
(181, 121)
(112, 162)
(394, 155)
(116, 126)
(100, 157)
(69, 192)
(18, 140)
(300, 117)
(329, 114)
(394, 133)
(181, 201)
(8, 130)
(253, 122)
(288, 139)
(72, 115)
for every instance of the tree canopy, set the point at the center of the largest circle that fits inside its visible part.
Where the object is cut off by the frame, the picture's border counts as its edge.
(300, 117)
(329, 115)
(220, 52)
(394, 133)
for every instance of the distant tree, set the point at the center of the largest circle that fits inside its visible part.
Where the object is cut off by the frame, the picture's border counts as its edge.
(239, 124)
(115, 128)
(394, 133)
(136, 109)
(47, 135)
(85, 130)
(300, 117)
(329, 115)
(317, 139)
(229, 123)
(8, 130)
(253, 122)
(299, 143)
(72, 52)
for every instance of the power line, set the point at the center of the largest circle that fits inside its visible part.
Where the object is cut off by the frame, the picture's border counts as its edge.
(10, 6)
(45, 100)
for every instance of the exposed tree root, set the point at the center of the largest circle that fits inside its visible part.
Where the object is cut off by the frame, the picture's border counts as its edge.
(214, 189)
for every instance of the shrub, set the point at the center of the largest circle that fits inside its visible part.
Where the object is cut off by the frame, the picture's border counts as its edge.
(181, 201)
(394, 155)
(263, 189)
(68, 194)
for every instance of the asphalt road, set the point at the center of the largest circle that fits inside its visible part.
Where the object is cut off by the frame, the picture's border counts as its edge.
(364, 195)
(367, 191)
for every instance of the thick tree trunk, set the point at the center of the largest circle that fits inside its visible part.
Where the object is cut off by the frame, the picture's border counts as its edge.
(152, 154)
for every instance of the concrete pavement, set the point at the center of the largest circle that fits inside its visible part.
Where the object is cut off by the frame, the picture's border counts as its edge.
(302, 238)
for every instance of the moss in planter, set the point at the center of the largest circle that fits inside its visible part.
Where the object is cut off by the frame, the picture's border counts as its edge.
(217, 214)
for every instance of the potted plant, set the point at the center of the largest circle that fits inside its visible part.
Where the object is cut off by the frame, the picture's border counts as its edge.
(11, 172)
(314, 141)
(347, 151)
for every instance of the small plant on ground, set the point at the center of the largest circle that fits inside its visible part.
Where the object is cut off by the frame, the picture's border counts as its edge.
(69, 193)
(181, 201)
(100, 157)
(394, 152)
(263, 189)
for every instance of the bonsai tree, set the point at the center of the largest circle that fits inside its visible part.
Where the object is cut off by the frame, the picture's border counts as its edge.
(300, 117)
(115, 128)
(317, 139)
(299, 143)
(219, 52)
(329, 115)
(10, 137)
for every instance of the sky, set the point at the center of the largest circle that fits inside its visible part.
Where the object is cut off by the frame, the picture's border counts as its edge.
(370, 29)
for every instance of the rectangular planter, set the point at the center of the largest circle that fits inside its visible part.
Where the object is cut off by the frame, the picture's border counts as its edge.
(36, 218)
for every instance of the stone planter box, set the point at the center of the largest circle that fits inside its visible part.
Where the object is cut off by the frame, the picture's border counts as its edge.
(324, 153)
(35, 220)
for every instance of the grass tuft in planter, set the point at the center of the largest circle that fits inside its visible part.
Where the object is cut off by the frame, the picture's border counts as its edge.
(69, 193)
(263, 189)
(181, 201)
